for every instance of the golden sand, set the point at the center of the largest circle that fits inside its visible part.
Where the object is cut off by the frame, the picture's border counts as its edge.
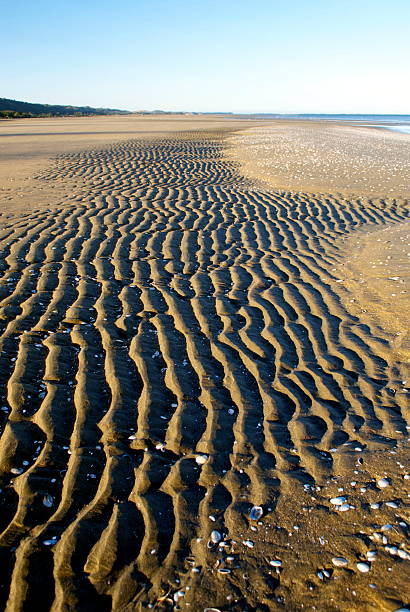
(326, 157)
(176, 347)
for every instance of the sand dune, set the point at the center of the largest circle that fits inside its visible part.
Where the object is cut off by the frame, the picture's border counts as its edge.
(174, 349)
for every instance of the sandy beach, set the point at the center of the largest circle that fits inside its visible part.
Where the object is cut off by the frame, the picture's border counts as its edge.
(204, 365)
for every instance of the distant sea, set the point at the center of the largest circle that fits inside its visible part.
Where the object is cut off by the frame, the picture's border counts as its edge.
(398, 123)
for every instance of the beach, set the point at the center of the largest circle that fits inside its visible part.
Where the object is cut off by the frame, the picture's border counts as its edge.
(204, 365)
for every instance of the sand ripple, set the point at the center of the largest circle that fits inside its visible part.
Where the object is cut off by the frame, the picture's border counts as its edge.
(171, 311)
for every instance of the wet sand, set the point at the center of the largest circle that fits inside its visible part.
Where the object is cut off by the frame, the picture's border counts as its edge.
(29, 146)
(326, 157)
(176, 347)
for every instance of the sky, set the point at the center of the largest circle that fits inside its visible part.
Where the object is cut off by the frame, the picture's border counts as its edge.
(278, 56)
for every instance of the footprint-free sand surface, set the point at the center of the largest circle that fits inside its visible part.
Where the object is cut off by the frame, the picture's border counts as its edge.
(196, 412)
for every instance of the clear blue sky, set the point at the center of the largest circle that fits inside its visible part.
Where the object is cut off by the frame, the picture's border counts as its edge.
(208, 55)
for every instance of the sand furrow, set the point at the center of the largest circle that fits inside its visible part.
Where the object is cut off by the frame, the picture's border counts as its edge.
(174, 349)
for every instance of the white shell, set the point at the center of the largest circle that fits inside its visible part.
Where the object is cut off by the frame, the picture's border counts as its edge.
(215, 536)
(275, 563)
(383, 482)
(255, 513)
(339, 561)
(363, 567)
(178, 595)
(338, 501)
(343, 507)
(403, 554)
(201, 459)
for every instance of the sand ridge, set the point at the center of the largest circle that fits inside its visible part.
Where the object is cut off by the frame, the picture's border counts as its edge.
(173, 310)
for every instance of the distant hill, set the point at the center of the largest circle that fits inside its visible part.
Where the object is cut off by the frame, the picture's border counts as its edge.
(15, 108)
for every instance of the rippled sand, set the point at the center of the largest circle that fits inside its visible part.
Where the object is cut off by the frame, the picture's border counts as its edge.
(176, 347)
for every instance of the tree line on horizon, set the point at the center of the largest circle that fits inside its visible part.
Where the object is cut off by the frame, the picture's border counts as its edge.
(14, 109)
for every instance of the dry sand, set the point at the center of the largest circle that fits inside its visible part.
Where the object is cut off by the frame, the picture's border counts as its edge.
(177, 345)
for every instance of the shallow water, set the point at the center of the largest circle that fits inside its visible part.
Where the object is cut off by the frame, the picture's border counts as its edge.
(403, 128)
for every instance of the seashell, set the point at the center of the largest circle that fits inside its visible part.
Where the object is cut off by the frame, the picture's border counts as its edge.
(215, 536)
(344, 507)
(403, 554)
(223, 570)
(178, 595)
(248, 543)
(201, 459)
(371, 555)
(375, 506)
(212, 610)
(48, 501)
(256, 513)
(392, 504)
(338, 501)
(383, 483)
(17, 471)
(339, 561)
(276, 563)
(363, 567)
